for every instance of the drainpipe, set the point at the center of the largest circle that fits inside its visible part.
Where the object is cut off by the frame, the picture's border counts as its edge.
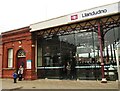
(101, 53)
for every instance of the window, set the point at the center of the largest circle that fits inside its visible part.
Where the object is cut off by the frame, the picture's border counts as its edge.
(39, 56)
(10, 58)
(21, 53)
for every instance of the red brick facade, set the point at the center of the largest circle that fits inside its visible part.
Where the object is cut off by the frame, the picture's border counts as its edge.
(0, 56)
(18, 39)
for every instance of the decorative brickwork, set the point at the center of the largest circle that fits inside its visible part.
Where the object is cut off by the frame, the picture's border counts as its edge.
(18, 39)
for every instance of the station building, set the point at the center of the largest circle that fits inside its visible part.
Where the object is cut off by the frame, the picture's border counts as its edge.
(90, 36)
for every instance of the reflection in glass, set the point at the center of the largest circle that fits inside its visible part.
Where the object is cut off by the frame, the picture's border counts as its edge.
(55, 51)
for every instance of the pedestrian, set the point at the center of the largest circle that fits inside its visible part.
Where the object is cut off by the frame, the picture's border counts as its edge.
(15, 76)
(20, 73)
(68, 70)
(73, 69)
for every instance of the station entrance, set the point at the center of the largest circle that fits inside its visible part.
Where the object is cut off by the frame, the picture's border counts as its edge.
(92, 44)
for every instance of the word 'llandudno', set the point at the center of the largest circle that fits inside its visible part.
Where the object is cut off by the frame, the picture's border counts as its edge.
(94, 13)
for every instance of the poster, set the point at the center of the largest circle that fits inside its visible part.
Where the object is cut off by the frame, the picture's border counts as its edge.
(28, 64)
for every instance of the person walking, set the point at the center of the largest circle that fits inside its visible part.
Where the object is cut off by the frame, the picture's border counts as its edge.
(20, 73)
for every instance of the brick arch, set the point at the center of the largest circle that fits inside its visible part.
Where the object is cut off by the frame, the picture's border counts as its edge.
(21, 53)
(21, 58)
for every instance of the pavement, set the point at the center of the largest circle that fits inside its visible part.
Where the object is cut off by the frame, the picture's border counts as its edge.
(58, 84)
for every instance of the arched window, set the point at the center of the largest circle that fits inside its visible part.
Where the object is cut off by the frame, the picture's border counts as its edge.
(21, 53)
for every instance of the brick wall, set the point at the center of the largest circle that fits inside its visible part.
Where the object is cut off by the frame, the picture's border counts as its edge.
(0, 56)
(18, 39)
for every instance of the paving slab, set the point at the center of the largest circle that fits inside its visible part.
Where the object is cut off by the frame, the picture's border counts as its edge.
(58, 84)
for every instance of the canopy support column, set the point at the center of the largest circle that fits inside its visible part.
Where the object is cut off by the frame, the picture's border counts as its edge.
(101, 53)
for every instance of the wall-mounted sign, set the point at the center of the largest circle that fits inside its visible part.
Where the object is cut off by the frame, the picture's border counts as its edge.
(94, 12)
(29, 64)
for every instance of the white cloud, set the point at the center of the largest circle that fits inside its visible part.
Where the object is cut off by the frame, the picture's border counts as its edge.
(21, 13)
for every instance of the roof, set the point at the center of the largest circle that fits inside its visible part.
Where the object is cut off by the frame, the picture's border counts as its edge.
(84, 15)
(23, 29)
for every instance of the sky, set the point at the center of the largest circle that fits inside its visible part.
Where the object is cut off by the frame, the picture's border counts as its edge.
(16, 14)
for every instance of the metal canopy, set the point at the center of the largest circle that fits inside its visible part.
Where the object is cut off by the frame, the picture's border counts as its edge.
(107, 23)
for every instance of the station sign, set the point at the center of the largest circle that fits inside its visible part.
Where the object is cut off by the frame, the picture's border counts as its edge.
(94, 13)
(77, 17)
